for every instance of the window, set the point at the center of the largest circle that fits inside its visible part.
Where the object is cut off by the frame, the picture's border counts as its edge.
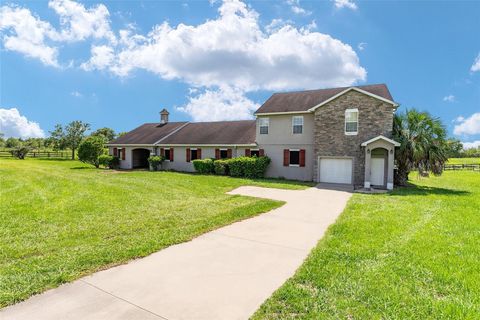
(254, 153)
(263, 123)
(193, 154)
(167, 154)
(294, 157)
(223, 153)
(297, 124)
(351, 121)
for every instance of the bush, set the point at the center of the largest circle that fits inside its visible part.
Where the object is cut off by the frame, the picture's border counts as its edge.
(204, 166)
(248, 167)
(90, 150)
(221, 167)
(155, 162)
(20, 152)
(108, 161)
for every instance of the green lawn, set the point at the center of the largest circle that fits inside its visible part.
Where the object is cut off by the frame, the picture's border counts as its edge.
(411, 254)
(464, 161)
(63, 219)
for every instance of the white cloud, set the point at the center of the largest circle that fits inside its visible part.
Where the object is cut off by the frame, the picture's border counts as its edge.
(76, 94)
(449, 98)
(476, 64)
(28, 34)
(13, 124)
(361, 46)
(224, 103)
(102, 58)
(233, 50)
(345, 4)
(468, 126)
(79, 23)
(296, 8)
(473, 144)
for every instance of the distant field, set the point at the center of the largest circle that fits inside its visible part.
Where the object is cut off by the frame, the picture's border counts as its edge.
(464, 161)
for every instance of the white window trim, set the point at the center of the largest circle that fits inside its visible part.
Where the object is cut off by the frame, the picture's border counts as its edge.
(260, 125)
(294, 165)
(345, 122)
(293, 123)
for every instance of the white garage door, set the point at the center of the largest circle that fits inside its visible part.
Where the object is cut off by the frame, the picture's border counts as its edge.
(336, 170)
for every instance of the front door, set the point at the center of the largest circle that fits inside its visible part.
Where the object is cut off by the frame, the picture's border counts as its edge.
(377, 172)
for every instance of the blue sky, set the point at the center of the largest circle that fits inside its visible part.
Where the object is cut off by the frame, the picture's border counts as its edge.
(118, 63)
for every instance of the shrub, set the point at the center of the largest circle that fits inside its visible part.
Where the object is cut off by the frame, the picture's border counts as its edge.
(20, 152)
(221, 167)
(204, 166)
(248, 167)
(155, 162)
(90, 150)
(108, 161)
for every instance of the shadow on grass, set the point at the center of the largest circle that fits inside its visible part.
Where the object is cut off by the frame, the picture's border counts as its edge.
(412, 189)
(84, 168)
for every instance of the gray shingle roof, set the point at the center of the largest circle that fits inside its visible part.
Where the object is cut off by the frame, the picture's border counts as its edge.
(148, 133)
(304, 100)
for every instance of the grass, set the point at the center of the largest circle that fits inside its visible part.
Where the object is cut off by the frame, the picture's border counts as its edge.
(410, 254)
(61, 220)
(464, 161)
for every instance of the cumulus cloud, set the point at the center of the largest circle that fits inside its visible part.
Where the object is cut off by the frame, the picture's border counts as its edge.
(476, 64)
(345, 4)
(26, 34)
(29, 35)
(468, 126)
(470, 145)
(76, 94)
(224, 103)
(234, 50)
(102, 58)
(449, 98)
(296, 8)
(361, 46)
(13, 124)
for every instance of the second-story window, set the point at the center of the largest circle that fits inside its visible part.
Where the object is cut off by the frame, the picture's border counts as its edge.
(263, 124)
(351, 121)
(297, 124)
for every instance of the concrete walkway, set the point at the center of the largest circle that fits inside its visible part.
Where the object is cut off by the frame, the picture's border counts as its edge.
(224, 274)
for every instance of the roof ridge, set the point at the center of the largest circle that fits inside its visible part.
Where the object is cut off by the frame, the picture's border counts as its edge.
(332, 88)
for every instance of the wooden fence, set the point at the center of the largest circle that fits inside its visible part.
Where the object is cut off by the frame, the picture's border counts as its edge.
(41, 154)
(472, 167)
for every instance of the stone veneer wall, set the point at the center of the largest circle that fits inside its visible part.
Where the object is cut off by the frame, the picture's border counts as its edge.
(375, 117)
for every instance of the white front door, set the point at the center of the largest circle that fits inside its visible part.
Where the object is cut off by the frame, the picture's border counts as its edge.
(377, 171)
(336, 170)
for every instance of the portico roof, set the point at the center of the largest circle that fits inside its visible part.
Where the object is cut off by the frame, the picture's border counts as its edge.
(380, 137)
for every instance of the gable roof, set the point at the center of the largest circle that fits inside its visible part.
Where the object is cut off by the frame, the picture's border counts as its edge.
(191, 133)
(214, 133)
(305, 101)
(380, 137)
(148, 133)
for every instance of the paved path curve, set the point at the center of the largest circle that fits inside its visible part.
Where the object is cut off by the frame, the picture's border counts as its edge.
(224, 274)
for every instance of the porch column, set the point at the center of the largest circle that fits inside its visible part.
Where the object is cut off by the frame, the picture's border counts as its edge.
(368, 156)
(391, 157)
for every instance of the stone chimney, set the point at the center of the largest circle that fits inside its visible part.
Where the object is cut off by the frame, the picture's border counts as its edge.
(164, 116)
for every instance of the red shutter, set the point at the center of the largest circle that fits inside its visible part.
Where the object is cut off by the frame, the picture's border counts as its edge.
(261, 152)
(115, 153)
(171, 154)
(123, 153)
(162, 152)
(199, 153)
(217, 154)
(247, 153)
(302, 157)
(229, 153)
(188, 155)
(286, 157)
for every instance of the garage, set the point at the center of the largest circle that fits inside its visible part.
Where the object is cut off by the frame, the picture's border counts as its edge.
(140, 158)
(335, 170)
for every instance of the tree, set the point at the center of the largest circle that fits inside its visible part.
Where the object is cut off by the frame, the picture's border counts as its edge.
(2, 140)
(13, 142)
(57, 138)
(90, 150)
(454, 148)
(74, 133)
(106, 133)
(121, 134)
(20, 152)
(422, 144)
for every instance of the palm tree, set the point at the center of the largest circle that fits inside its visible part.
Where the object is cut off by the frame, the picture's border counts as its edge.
(423, 144)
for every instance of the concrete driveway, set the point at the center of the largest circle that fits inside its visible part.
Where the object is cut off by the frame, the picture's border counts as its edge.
(224, 274)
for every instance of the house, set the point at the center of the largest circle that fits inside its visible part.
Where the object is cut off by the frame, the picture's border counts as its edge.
(338, 135)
